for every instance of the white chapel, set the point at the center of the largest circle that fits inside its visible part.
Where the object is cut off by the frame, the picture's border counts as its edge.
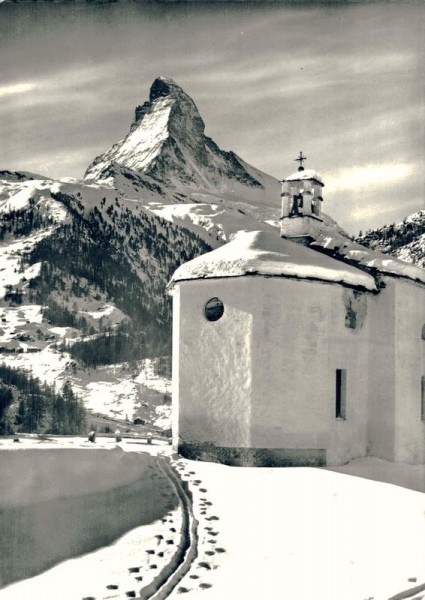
(302, 348)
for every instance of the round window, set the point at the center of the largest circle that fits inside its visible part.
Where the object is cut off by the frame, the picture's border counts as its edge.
(214, 309)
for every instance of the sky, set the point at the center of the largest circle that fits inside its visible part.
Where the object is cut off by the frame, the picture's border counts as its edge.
(343, 82)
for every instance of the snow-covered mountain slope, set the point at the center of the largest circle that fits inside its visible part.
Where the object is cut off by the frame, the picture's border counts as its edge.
(212, 222)
(413, 252)
(168, 154)
(405, 240)
(82, 278)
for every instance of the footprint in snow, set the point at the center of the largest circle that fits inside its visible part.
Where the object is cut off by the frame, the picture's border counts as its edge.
(205, 586)
(204, 565)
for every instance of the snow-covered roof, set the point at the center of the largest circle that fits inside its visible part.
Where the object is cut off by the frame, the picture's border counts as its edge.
(266, 253)
(305, 174)
(332, 239)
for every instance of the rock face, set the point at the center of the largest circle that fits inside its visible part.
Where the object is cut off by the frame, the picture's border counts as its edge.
(405, 240)
(167, 146)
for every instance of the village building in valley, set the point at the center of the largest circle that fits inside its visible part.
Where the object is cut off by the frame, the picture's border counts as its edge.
(299, 349)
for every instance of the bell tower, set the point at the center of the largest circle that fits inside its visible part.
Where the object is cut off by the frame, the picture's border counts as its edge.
(301, 204)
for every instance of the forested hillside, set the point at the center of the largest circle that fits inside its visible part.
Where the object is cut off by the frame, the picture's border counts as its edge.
(27, 405)
(118, 254)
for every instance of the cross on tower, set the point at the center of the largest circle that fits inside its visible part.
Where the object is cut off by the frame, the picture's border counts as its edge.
(300, 159)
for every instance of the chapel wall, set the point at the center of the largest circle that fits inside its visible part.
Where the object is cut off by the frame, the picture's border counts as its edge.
(175, 392)
(300, 339)
(213, 375)
(382, 374)
(409, 370)
(263, 376)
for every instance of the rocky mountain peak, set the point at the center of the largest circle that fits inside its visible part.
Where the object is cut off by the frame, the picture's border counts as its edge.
(165, 89)
(164, 86)
(168, 145)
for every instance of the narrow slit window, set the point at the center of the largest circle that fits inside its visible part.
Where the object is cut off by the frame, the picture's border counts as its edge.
(341, 394)
(423, 398)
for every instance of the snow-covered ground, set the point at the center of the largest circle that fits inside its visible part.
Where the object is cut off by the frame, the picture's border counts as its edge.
(149, 377)
(268, 533)
(14, 318)
(114, 392)
(130, 562)
(113, 397)
(91, 574)
(49, 365)
(306, 533)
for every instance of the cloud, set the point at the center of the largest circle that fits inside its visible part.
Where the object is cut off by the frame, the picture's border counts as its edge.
(369, 176)
(16, 88)
(342, 83)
